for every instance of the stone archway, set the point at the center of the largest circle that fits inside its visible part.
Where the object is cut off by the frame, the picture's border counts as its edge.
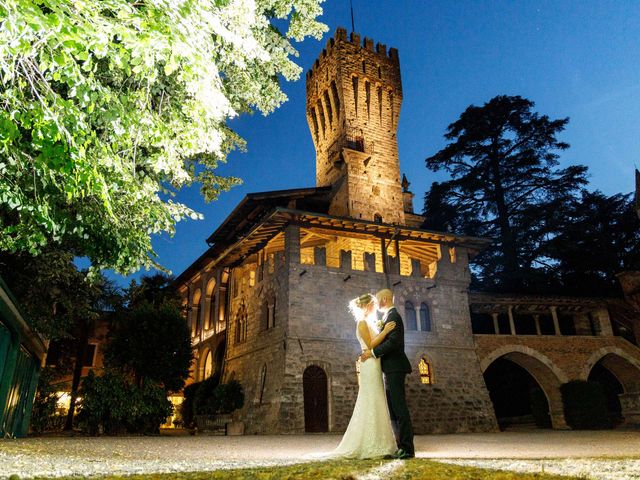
(316, 405)
(542, 371)
(626, 370)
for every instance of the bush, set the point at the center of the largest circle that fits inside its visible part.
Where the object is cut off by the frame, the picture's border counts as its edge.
(187, 407)
(585, 405)
(43, 415)
(209, 398)
(112, 405)
(207, 401)
(230, 396)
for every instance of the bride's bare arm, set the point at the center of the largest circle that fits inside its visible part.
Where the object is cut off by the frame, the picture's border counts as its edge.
(363, 329)
(382, 335)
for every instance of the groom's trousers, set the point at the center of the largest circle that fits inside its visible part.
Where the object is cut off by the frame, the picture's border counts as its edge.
(399, 411)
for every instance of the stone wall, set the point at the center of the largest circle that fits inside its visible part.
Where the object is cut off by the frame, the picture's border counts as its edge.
(321, 332)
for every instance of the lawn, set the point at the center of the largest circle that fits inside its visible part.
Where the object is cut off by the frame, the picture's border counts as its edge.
(415, 469)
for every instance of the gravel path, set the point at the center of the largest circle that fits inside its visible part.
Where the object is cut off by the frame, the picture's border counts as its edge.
(59, 456)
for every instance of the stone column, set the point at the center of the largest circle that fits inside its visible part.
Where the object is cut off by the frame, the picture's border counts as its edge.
(292, 245)
(512, 326)
(556, 324)
(602, 314)
(536, 319)
(556, 413)
(496, 326)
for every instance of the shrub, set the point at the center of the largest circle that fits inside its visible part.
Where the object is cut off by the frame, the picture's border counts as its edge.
(585, 405)
(187, 407)
(112, 405)
(207, 401)
(43, 415)
(209, 397)
(230, 396)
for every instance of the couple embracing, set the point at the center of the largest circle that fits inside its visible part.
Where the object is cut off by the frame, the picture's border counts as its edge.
(370, 433)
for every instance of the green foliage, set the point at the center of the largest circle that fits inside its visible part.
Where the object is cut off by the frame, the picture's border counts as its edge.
(109, 107)
(151, 342)
(206, 400)
(43, 415)
(211, 397)
(230, 396)
(187, 407)
(585, 405)
(598, 237)
(112, 405)
(506, 185)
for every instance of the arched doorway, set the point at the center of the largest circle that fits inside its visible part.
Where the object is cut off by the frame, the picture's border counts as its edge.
(518, 399)
(619, 374)
(316, 411)
(612, 389)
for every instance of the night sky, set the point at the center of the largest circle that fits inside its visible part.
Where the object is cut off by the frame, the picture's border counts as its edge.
(576, 59)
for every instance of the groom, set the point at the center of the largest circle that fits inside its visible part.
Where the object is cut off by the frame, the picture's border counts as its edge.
(395, 366)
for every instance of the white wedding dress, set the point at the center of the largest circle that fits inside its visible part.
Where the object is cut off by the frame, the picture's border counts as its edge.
(369, 433)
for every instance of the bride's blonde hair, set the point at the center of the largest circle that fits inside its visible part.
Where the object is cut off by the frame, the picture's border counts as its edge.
(360, 304)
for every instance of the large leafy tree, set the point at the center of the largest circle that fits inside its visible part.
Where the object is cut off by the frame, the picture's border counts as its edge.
(505, 184)
(150, 339)
(108, 107)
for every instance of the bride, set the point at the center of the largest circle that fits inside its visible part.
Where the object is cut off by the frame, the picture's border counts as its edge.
(369, 433)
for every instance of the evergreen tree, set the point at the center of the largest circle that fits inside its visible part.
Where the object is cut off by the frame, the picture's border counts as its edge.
(599, 236)
(505, 184)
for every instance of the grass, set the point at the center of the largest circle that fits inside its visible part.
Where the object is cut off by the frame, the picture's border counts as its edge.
(415, 469)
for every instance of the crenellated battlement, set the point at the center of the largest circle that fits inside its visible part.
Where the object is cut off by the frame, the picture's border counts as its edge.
(379, 50)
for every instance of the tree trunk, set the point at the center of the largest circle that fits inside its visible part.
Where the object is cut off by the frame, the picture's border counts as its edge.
(506, 234)
(81, 347)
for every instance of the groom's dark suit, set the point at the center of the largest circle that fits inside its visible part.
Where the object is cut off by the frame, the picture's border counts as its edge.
(396, 366)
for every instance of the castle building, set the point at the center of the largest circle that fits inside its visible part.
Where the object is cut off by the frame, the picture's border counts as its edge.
(267, 301)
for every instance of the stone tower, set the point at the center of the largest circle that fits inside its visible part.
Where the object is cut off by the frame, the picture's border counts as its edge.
(354, 93)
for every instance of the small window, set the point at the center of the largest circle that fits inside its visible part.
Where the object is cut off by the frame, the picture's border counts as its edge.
(426, 374)
(425, 318)
(410, 314)
(377, 218)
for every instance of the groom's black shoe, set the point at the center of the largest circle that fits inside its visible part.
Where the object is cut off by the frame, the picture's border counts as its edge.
(402, 454)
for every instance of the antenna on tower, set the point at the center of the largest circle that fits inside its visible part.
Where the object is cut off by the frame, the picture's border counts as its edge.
(353, 25)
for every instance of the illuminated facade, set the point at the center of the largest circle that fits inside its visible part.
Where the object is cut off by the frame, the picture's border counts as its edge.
(267, 301)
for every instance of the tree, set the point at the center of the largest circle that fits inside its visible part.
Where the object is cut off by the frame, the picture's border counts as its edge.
(150, 338)
(108, 107)
(63, 304)
(505, 184)
(599, 236)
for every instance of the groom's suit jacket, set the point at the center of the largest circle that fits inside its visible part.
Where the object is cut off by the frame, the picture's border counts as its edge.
(391, 350)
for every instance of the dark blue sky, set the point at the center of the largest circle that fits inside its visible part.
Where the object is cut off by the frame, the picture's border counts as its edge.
(577, 59)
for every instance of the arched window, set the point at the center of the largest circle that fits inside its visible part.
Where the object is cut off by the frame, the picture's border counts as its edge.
(377, 218)
(210, 304)
(222, 301)
(425, 318)
(410, 315)
(262, 383)
(207, 366)
(195, 313)
(426, 373)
